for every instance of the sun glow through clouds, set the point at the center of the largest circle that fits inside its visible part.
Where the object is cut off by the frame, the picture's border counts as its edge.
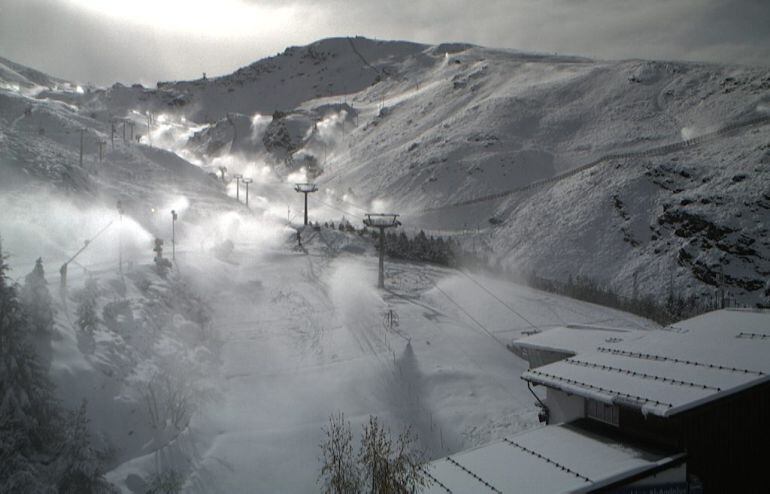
(225, 18)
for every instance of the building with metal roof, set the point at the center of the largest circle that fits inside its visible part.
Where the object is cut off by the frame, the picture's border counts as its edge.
(697, 393)
(560, 458)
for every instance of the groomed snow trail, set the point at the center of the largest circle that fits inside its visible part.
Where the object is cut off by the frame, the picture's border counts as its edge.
(304, 338)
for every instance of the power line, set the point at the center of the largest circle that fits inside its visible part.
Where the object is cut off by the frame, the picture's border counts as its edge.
(488, 332)
(498, 299)
(340, 210)
(353, 205)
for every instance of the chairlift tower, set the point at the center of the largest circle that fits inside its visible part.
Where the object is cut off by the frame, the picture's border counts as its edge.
(306, 189)
(247, 181)
(382, 221)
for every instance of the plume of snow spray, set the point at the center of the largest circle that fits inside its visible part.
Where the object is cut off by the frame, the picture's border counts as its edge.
(258, 125)
(54, 228)
(688, 133)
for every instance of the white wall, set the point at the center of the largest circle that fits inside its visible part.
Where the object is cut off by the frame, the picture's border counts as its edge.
(563, 407)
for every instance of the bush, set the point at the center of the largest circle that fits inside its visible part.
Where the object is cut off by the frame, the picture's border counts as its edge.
(382, 465)
(86, 311)
(167, 482)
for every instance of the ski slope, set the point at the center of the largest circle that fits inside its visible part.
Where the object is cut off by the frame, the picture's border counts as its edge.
(303, 337)
(425, 131)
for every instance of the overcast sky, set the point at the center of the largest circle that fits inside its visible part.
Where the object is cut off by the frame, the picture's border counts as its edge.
(103, 41)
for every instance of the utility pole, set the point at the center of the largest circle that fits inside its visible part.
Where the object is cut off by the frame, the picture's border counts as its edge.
(101, 143)
(112, 133)
(82, 135)
(149, 128)
(120, 238)
(238, 178)
(173, 235)
(381, 221)
(306, 189)
(247, 181)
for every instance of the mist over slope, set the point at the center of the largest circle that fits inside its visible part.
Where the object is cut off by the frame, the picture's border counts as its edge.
(650, 177)
(409, 127)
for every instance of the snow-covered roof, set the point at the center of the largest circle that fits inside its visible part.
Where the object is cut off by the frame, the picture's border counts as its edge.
(575, 338)
(668, 371)
(552, 459)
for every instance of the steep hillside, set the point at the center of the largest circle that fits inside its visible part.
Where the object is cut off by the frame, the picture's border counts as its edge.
(419, 129)
(454, 123)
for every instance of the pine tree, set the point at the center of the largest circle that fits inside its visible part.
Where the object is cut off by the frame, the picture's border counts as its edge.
(80, 465)
(37, 304)
(35, 439)
(28, 411)
(37, 300)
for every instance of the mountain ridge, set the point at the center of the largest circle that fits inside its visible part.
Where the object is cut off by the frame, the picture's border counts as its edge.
(427, 127)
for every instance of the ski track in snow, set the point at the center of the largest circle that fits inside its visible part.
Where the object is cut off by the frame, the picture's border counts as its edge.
(309, 341)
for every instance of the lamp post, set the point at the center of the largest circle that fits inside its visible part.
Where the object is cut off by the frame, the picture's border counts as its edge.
(247, 181)
(238, 178)
(381, 221)
(173, 234)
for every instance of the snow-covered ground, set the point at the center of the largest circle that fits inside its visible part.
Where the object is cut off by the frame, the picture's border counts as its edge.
(381, 127)
(303, 337)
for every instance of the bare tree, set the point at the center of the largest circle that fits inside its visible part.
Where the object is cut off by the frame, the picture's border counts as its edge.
(382, 466)
(172, 389)
(391, 468)
(170, 398)
(339, 472)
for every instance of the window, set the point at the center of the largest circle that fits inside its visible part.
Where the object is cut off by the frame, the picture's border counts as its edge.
(609, 414)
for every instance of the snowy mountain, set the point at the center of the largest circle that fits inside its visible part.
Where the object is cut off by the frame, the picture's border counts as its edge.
(380, 124)
(650, 177)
